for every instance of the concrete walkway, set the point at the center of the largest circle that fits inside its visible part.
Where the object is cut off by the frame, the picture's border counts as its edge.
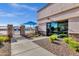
(40, 38)
(26, 47)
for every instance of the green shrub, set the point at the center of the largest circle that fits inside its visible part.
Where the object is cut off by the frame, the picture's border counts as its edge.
(53, 37)
(74, 44)
(4, 38)
(68, 39)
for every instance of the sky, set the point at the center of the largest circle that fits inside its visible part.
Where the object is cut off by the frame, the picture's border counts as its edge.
(19, 13)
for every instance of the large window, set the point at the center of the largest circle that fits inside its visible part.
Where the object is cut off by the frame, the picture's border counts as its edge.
(57, 28)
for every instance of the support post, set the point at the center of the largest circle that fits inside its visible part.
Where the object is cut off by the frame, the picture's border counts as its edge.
(10, 30)
(22, 30)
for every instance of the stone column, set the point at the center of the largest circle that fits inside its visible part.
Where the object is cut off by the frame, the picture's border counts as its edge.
(10, 30)
(22, 30)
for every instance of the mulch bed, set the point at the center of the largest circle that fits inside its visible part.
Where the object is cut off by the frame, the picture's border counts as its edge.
(58, 48)
(6, 49)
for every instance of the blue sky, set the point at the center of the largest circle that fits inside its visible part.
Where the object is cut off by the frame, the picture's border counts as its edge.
(20, 13)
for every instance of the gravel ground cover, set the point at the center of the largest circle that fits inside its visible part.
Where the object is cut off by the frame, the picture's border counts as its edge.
(58, 48)
(5, 50)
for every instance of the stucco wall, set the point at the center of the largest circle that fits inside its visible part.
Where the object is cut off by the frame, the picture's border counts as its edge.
(62, 16)
(71, 15)
(42, 27)
(56, 8)
(73, 25)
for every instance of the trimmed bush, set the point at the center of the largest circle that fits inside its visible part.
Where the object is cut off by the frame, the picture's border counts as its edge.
(53, 37)
(68, 39)
(72, 43)
(4, 38)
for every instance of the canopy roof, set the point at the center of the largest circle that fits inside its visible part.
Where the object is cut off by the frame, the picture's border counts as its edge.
(30, 23)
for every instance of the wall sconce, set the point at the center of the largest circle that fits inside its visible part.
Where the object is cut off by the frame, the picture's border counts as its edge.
(48, 18)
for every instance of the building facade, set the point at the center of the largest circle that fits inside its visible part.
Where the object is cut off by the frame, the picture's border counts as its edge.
(59, 17)
(3, 30)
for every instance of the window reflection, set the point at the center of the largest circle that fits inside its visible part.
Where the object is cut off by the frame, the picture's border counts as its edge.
(57, 28)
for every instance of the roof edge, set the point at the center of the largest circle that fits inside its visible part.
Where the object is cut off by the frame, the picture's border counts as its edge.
(44, 7)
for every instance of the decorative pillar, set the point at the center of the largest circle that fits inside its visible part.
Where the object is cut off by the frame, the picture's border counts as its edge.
(22, 30)
(10, 31)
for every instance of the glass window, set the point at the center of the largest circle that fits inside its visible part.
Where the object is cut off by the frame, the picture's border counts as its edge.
(57, 28)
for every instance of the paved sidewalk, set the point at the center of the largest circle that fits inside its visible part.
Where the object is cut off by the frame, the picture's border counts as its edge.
(40, 38)
(26, 47)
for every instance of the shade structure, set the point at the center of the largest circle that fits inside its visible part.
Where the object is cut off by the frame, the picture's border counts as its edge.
(31, 23)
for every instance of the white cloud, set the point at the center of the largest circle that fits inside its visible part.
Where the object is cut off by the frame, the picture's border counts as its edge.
(4, 13)
(10, 15)
(19, 6)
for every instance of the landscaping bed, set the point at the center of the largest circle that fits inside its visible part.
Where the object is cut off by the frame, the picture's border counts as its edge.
(6, 49)
(58, 47)
(32, 36)
(5, 46)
